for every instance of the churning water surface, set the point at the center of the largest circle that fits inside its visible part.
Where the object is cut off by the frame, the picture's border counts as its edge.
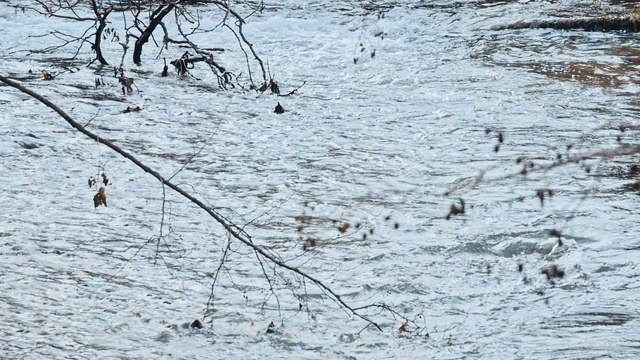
(394, 114)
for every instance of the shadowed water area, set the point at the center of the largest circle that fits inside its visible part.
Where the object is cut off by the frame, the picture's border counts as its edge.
(394, 114)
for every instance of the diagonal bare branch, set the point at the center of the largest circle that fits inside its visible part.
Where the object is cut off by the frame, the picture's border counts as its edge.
(231, 228)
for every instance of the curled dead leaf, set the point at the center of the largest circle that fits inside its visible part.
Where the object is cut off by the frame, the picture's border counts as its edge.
(404, 327)
(46, 76)
(100, 198)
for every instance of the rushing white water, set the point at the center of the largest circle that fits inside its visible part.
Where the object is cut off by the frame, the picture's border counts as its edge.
(385, 136)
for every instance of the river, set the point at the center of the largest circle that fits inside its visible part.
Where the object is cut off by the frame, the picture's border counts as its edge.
(401, 110)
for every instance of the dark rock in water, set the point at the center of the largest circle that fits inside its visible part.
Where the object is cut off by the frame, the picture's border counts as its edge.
(271, 329)
(196, 324)
(279, 109)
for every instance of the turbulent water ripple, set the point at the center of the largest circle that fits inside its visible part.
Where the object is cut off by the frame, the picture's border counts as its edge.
(377, 143)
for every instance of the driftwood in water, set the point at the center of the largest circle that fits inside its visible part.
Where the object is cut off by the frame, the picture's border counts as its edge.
(602, 23)
(185, 63)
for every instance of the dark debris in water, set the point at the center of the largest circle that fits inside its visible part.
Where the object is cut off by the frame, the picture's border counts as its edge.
(196, 324)
(83, 87)
(99, 96)
(632, 187)
(553, 272)
(544, 193)
(130, 109)
(555, 233)
(584, 319)
(622, 171)
(456, 209)
(271, 329)
(29, 146)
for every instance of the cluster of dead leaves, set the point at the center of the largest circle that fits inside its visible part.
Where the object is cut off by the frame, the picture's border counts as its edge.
(271, 85)
(309, 243)
(127, 85)
(308, 238)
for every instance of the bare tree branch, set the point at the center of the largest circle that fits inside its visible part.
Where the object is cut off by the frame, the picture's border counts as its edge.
(155, 20)
(228, 226)
(99, 24)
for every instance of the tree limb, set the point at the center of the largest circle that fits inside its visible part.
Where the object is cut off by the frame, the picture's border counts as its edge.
(156, 19)
(232, 229)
